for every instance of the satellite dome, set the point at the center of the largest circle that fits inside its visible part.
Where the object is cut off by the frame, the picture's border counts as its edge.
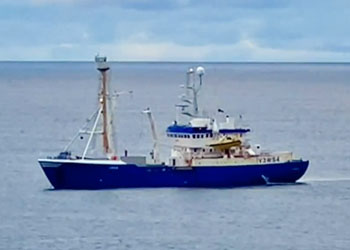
(200, 71)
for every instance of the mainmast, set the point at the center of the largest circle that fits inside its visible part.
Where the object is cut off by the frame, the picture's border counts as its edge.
(191, 85)
(104, 98)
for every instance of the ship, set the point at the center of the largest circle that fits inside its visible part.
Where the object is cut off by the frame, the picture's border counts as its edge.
(205, 152)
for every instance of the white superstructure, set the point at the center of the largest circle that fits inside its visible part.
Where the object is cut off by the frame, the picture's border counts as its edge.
(204, 141)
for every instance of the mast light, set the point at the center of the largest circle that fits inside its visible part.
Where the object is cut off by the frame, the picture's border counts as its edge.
(101, 62)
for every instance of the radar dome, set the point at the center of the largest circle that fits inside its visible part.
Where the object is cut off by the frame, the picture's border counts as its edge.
(200, 71)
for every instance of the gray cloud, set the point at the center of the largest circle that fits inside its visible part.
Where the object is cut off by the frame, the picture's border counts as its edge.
(250, 26)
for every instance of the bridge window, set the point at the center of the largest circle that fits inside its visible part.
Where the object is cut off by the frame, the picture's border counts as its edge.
(193, 136)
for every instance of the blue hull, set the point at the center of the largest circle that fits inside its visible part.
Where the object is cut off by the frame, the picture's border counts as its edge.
(74, 175)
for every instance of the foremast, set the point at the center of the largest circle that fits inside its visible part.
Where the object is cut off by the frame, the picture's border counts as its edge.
(101, 123)
(106, 108)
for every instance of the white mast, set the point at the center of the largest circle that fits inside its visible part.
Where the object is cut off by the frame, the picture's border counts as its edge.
(189, 82)
(200, 72)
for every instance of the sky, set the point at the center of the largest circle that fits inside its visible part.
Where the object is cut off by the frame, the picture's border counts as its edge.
(176, 30)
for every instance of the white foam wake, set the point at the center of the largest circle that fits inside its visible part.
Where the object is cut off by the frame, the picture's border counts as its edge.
(325, 179)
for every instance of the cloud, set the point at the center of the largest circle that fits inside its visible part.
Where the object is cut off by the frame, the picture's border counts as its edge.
(40, 2)
(161, 4)
(238, 30)
(244, 50)
(66, 45)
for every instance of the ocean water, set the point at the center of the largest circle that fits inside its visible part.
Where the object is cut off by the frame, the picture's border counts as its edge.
(304, 108)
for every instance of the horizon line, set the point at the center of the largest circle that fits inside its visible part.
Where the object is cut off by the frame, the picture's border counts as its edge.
(175, 62)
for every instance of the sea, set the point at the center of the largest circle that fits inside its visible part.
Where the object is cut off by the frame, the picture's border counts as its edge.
(301, 107)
